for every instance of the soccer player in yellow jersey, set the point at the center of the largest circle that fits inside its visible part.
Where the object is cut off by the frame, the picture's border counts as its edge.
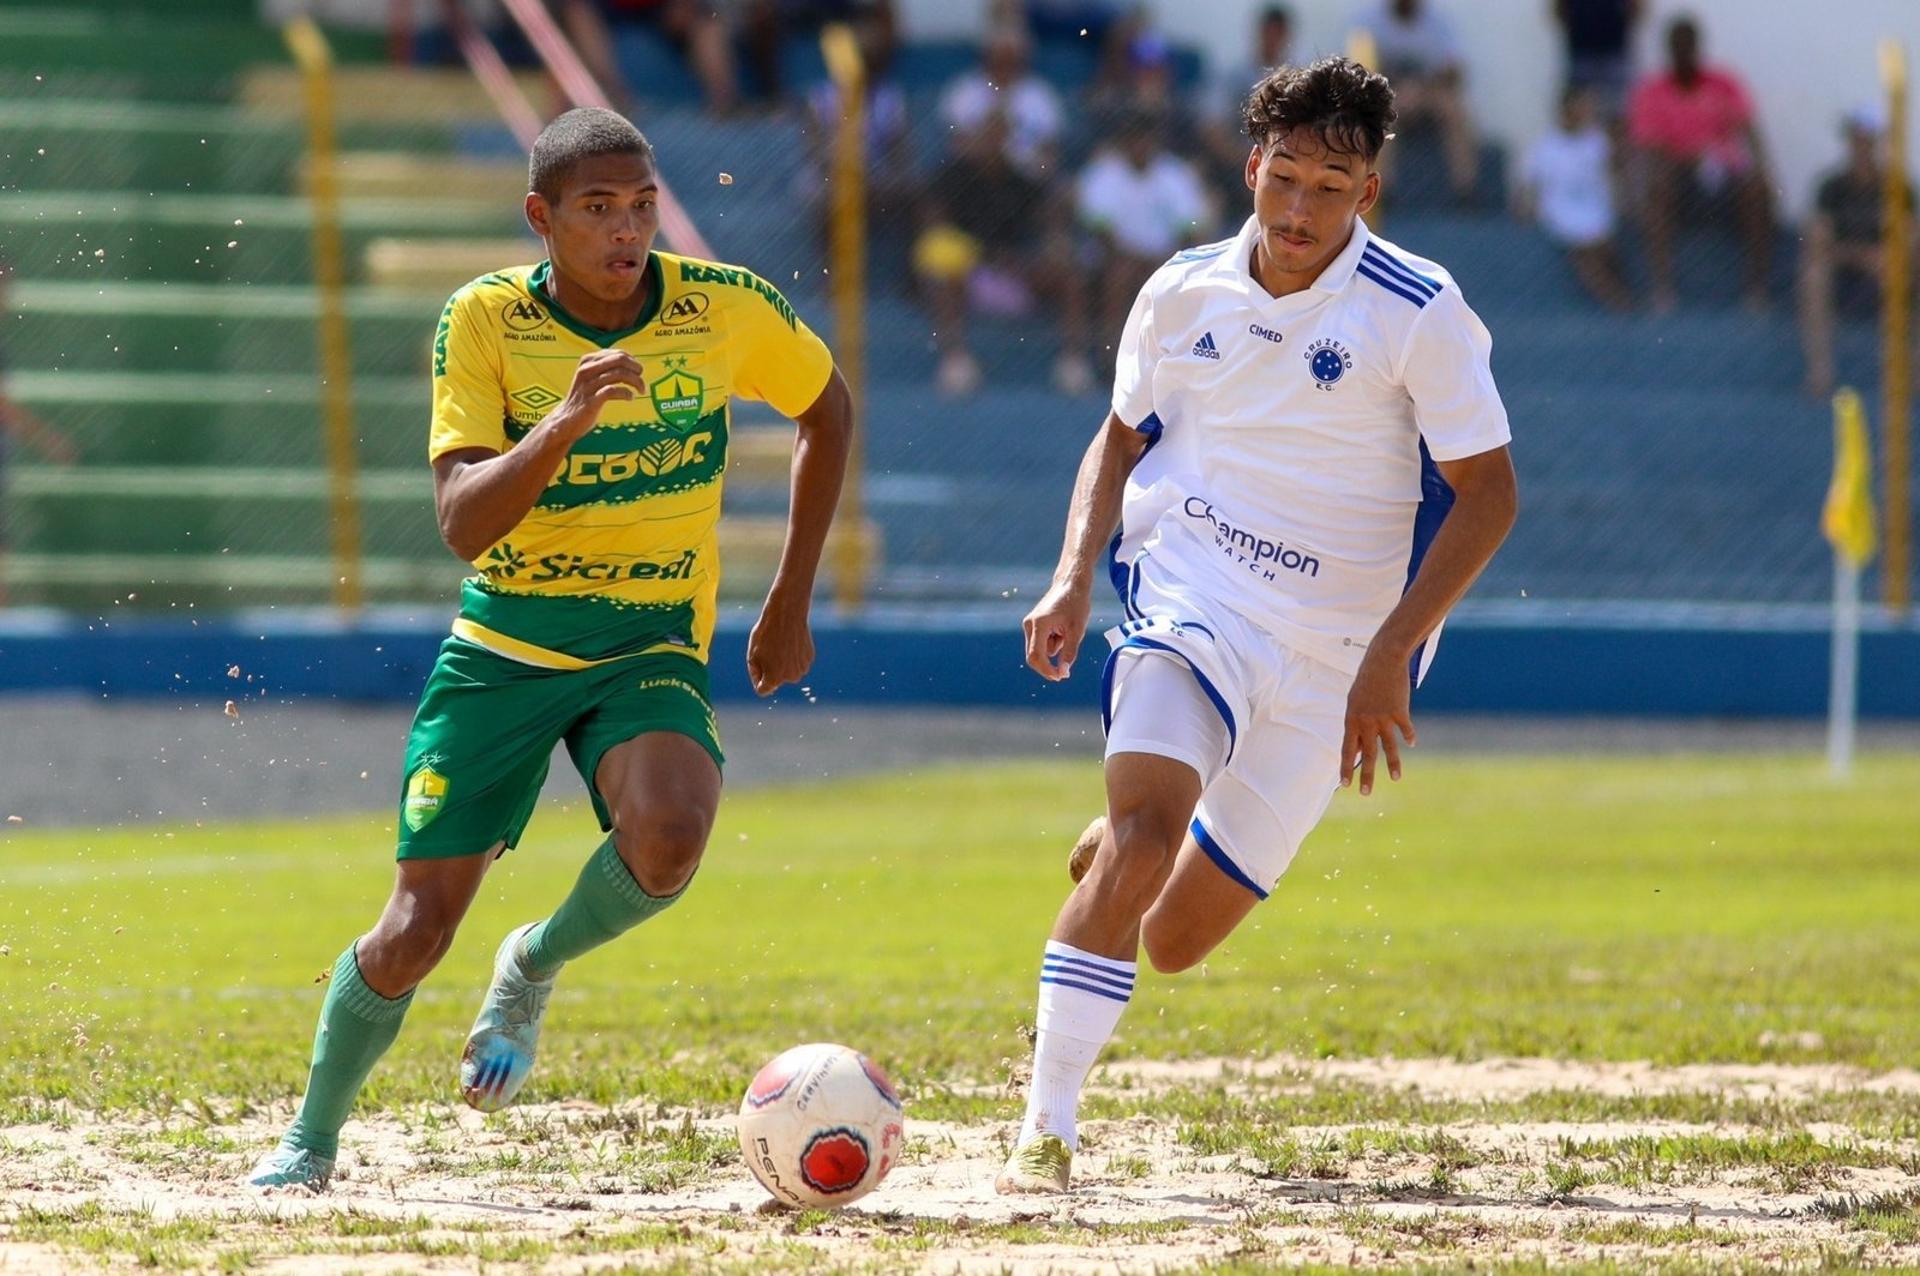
(579, 440)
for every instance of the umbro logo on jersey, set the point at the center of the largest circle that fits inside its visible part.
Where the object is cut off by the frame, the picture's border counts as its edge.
(1205, 349)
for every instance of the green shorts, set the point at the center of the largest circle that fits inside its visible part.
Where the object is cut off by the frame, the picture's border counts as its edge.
(486, 727)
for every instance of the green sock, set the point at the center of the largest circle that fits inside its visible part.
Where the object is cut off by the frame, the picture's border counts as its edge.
(357, 1025)
(605, 903)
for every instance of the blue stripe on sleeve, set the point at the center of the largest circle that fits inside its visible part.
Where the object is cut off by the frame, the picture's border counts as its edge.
(1405, 290)
(1394, 266)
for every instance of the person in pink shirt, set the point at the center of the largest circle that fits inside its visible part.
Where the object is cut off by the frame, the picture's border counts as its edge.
(1693, 124)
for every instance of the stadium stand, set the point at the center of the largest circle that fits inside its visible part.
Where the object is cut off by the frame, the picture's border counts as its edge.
(162, 319)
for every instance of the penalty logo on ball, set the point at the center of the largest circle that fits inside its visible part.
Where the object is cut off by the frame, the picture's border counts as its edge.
(835, 1160)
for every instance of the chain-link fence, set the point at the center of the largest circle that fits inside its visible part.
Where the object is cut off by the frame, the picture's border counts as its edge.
(1656, 331)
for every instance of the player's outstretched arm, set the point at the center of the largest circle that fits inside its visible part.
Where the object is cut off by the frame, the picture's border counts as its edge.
(480, 495)
(1058, 621)
(780, 648)
(1485, 501)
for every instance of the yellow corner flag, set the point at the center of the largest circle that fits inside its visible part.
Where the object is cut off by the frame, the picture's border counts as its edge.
(1847, 519)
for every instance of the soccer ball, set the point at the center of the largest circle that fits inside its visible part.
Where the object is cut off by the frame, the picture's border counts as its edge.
(820, 1126)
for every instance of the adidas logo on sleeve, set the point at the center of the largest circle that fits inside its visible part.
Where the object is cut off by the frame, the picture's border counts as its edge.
(1205, 349)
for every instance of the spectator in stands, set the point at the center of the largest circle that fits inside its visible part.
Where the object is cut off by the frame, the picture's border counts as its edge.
(995, 241)
(1144, 81)
(768, 25)
(694, 27)
(1599, 42)
(1222, 157)
(1692, 126)
(1842, 253)
(18, 424)
(1417, 50)
(1003, 87)
(892, 184)
(1140, 204)
(1567, 184)
(1228, 86)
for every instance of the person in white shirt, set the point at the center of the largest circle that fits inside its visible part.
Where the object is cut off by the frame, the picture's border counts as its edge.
(1307, 458)
(1003, 86)
(1417, 49)
(1567, 184)
(1141, 202)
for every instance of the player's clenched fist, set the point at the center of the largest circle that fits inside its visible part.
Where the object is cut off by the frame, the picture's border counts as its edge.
(601, 378)
(1054, 629)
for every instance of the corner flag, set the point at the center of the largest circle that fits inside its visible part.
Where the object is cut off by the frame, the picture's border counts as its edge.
(1847, 518)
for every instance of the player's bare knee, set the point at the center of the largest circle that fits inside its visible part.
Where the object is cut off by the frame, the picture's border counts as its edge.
(1169, 950)
(1144, 844)
(662, 849)
(404, 949)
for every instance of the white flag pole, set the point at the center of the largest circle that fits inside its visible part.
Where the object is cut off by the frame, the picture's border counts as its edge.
(1842, 689)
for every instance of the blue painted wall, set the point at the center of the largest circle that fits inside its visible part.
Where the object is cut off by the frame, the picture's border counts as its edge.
(1484, 667)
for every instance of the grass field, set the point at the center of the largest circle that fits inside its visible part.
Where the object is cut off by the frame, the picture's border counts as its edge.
(159, 988)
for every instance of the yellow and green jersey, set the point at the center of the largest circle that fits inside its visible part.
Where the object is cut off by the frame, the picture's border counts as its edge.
(619, 555)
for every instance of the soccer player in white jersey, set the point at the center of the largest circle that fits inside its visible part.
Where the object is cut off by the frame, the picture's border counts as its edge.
(1307, 459)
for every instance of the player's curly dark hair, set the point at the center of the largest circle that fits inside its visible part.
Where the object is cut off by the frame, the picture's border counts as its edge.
(1349, 108)
(582, 133)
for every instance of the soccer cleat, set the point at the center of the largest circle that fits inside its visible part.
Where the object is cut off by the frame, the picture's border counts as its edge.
(1086, 848)
(289, 1166)
(1041, 1164)
(500, 1049)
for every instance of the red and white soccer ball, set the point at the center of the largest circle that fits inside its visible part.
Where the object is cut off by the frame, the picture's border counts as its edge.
(821, 1126)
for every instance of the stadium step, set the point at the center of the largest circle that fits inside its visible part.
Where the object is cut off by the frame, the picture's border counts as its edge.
(114, 39)
(62, 144)
(370, 93)
(1509, 270)
(206, 238)
(441, 265)
(176, 420)
(202, 328)
(411, 175)
(251, 549)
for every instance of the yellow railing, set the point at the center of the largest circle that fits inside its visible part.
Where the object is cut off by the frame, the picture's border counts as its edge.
(315, 60)
(1896, 377)
(847, 257)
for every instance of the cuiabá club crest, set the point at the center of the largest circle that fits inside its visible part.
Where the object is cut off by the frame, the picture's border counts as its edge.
(679, 396)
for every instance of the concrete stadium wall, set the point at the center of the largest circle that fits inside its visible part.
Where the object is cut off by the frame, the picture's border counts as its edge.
(1807, 64)
(1753, 668)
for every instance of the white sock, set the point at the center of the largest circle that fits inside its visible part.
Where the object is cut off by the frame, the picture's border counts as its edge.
(1081, 997)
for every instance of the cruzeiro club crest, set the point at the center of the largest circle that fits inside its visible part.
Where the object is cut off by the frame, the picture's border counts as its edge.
(426, 797)
(679, 396)
(1328, 361)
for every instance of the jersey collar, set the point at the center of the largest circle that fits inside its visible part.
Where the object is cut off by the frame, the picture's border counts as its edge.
(537, 285)
(1337, 275)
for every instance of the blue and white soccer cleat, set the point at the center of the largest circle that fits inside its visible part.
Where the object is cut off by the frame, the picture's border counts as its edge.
(289, 1166)
(500, 1049)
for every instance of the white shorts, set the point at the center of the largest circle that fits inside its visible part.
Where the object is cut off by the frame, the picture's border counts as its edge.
(1260, 722)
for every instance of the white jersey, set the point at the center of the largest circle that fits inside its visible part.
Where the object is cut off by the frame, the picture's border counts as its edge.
(1290, 474)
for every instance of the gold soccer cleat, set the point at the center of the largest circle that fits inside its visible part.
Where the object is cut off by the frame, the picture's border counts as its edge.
(1086, 848)
(1041, 1165)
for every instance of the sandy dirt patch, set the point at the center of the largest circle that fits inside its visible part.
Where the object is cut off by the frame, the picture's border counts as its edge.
(575, 1187)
